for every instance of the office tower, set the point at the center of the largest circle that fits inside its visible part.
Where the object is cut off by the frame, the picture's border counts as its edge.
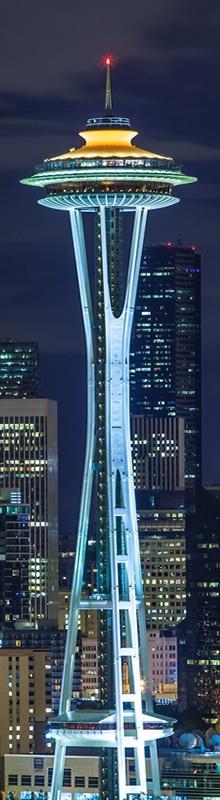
(25, 679)
(157, 445)
(19, 369)
(199, 652)
(108, 171)
(161, 526)
(28, 463)
(158, 465)
(166, 384)
(165, 362)
(15, 601)
(163, 562)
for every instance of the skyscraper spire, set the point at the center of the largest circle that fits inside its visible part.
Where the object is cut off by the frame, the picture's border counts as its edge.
(108, 90)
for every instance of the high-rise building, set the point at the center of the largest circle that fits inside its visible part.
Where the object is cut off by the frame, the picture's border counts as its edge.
(157, 445)
(158, 465)
(165, 361)
(199, 649)
(165, 370)
(19, 369)
(28, 463)
(164, 576)
(161, 525)
(163, 560)
(109, 172)
(15, 600)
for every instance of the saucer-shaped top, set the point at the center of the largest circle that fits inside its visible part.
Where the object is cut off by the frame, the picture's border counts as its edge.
(107, 143)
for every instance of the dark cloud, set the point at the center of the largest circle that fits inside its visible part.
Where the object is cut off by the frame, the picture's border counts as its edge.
(186, 27)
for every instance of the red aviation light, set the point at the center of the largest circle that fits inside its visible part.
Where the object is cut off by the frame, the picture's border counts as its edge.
(108, 61)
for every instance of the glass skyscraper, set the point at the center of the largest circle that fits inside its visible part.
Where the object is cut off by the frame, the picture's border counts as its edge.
(165, 369)
(19, 369)
(165, 362)
(28, 465)
(199, 648)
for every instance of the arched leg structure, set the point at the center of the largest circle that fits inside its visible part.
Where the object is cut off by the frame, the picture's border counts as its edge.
(127, 602)
(69, 660)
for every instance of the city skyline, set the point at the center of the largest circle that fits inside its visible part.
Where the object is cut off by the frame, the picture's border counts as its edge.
(46, 112)
(109, 402)
(108, 175)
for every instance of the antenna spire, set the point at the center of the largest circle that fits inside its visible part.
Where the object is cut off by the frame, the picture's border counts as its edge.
(108, 90)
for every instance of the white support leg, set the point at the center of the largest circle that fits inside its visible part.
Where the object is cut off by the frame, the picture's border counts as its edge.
(70, 650)
(127, 601)
(58, 768)
(155, 768)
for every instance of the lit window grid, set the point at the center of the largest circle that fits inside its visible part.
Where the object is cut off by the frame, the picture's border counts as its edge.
(24, 466)
(163, 564)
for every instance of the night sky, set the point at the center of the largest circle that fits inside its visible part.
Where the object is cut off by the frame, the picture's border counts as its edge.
(166, 78)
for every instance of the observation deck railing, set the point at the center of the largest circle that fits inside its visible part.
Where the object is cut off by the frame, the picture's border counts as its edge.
(131, 163)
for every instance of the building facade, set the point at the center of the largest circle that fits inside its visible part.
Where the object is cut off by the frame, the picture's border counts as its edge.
(47, 638)
(28, 463)
(25, 697)
(28, 775)
(163, 561)
(190, 775)
(165, 363)
(19, 369)
(199, 651)
(158, 453)
(89, 669)
(165, 370)
(15, 549)
(185, 776)
(163, 660)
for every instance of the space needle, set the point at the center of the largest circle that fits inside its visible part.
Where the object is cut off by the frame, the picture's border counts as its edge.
(108, 175)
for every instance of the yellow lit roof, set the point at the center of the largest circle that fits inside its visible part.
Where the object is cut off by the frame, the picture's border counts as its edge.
(106, 143)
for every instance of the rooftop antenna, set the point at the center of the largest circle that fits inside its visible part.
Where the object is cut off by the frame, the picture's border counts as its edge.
(108, 90)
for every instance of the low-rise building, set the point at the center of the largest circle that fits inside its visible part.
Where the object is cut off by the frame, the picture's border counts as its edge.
(25, 697)
(28, 776)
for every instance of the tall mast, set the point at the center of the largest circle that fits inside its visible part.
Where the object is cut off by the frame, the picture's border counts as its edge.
(108, 89)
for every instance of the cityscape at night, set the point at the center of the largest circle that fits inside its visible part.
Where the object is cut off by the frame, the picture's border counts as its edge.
(109, 401)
